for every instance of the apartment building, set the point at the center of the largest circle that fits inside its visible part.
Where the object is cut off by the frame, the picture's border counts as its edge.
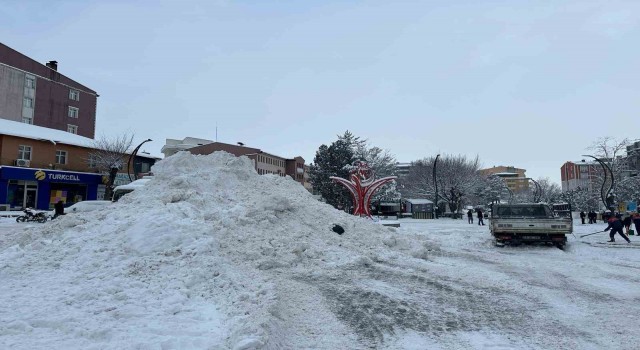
(265, 163)
(35, 93)
(580, 174)
(633, 158)
(39, 166)
(515, 178)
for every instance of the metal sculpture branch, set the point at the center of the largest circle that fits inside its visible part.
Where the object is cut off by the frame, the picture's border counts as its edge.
(132, 158)
(362, 185)
(538, 192)
(607, 184)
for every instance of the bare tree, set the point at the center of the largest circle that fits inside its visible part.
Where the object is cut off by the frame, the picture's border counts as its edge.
(492, 189)
(612, 151)
(550, 190)
(110, 155)
(457, 178)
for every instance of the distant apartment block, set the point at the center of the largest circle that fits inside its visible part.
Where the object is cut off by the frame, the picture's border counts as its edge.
(580, 174)
(515, 178)
(265, 163)
(402, 169)
(633, 158)
(35, 93)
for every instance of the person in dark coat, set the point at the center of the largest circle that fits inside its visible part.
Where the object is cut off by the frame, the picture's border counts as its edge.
(583, 216)
(615, 225)
(626, 222)
(59, 207)
(480, 217)
(593, 217)
(470, 216)
(636, 222)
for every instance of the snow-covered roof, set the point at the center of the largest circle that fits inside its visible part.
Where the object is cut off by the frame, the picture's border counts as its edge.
(418, 201)
(13, 128)
(34, 132)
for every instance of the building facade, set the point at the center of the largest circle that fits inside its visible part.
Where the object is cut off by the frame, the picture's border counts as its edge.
(35, 93)
(580, 174)
(265, 163)
(39, 166)
(515, 178)
(633, 158)
(173, 146)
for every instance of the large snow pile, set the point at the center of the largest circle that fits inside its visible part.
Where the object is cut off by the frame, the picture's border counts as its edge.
(208, 254)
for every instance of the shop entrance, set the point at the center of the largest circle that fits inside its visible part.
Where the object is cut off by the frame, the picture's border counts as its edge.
(68, 193)
(23, 194)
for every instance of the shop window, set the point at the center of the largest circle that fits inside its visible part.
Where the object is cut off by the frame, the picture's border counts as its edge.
(24, 152)
(61, 157)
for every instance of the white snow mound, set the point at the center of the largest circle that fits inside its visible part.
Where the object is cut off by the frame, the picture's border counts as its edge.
(204, 256)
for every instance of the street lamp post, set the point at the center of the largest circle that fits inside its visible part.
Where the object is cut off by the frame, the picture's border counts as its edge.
(607, 184)
(132, 159)
(435, 184)
(537, 194)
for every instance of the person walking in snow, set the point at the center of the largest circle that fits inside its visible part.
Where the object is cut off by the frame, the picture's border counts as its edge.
(636, 222)
(615, 225)
(626, 222)
(480, 217)
(59, 207)
(470, 216)
(583, 215)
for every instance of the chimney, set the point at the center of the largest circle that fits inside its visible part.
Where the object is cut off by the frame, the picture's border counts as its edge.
(53, 65)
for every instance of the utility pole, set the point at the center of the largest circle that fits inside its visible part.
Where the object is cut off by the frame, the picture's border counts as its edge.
(435, 184)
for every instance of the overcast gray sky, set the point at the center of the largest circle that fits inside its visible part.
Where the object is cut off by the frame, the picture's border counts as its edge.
(523, 83)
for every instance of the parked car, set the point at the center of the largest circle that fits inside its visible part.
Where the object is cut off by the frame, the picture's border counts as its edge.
(84, 206)
(121, 190)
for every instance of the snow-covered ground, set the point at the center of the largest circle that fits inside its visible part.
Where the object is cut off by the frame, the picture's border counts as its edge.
(210, 255)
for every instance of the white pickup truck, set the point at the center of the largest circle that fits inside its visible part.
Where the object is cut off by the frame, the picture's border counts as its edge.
(514, 224)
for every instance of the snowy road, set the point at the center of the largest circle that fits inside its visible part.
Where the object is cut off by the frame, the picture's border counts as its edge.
(469, 294)
(461, 293)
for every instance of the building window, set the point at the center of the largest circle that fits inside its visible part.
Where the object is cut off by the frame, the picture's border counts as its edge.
(30, 82)
(93, 161)
(73, 112)
(28, 102)
(27, 120)
(145, 167)
(74, 95)
(24, 152)
(72, 128)
(61, 157)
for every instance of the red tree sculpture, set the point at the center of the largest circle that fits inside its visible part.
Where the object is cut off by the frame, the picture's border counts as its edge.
(362, 186)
